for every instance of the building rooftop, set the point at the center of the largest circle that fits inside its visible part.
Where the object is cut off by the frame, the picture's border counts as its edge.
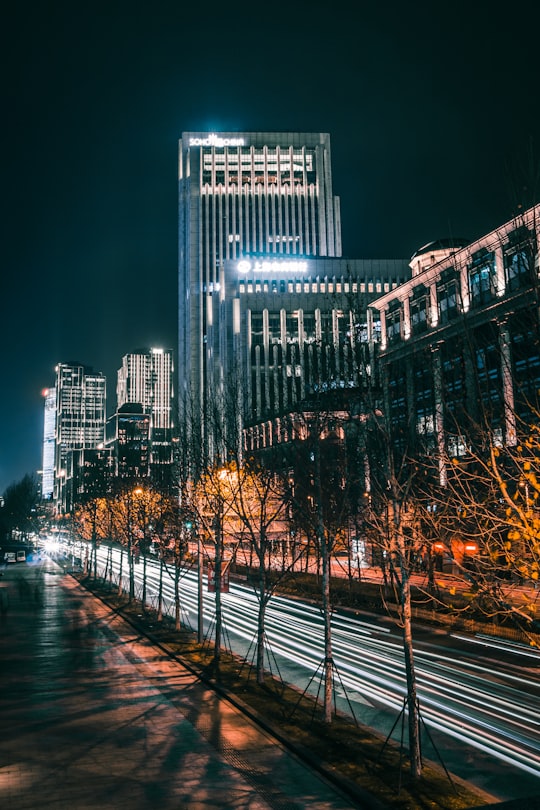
(441, 244)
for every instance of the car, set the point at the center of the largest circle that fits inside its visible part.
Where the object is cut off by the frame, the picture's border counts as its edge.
(10, 557)
(21, 555)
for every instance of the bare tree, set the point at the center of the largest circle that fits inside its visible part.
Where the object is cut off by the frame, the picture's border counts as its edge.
(392, 520)
(90, 522)
(257, 521)
(320, 505)
(487, 518)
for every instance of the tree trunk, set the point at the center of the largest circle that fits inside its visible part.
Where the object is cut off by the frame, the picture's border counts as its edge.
(120, 571)
(200, 597)
(412, 699)
(144, 580)
(176, 594)
(94, 549)
(328, 661)
(261, 621)
(217, 581)
(131, 568)
(323, 567)
(160, 591)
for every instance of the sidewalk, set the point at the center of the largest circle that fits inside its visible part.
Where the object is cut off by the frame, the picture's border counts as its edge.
(93, 716)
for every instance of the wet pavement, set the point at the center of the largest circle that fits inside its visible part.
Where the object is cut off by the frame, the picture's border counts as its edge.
(93, 716)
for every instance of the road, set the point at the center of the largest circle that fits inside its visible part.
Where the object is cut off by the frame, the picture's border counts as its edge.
(479, 697)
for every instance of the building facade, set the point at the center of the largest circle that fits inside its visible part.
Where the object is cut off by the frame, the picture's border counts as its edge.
(128, 436)
(460, 341)
(142, 428)
(80, 407)
(292, 329)
(146, 378)
(243, 195)
(49, 443)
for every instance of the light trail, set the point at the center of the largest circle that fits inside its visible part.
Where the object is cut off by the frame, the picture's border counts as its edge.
(491, 709)
(509, 646)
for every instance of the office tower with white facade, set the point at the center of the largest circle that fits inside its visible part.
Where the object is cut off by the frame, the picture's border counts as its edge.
(243, 195)
(49, 432)
(145, 379)
(80, 418)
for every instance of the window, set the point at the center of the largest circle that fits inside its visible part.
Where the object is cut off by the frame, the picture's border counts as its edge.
(456, 446)
(419, 311)
(393, 325)
(447, 299)
(482, 278)
(517, 268)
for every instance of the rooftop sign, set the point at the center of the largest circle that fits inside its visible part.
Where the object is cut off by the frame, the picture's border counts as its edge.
(215, 140)
(272, 266)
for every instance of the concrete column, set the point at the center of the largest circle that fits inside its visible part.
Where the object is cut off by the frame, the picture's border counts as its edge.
(499, 272)
(510, 430)
(439, 413)
(406, 310)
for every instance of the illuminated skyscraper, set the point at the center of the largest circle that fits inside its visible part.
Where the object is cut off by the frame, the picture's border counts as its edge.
(80, 418)
(243, 195)
(146, 380)
(49, 430)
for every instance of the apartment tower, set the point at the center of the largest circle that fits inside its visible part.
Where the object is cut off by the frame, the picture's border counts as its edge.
(80, 419)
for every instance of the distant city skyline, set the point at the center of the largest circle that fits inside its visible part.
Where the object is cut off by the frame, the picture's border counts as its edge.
(77, 417)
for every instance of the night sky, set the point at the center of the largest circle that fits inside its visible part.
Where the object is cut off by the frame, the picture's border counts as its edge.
(433, 112)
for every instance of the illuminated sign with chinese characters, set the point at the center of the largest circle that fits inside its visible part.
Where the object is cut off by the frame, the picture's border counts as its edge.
(272, 266)
(215, 140)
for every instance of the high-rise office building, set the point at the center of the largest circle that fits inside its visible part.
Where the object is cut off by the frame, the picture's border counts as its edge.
(80, 419)
(292, 329)
(243, 195)
(49, 432)
(128, 437)
(145, 378)
(144, 389)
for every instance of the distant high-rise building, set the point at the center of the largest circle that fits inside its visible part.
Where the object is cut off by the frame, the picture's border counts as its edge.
(49, 431)
(128, 434)
(144, 388)
(243, 195)
(145, 378)
(80, 418)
